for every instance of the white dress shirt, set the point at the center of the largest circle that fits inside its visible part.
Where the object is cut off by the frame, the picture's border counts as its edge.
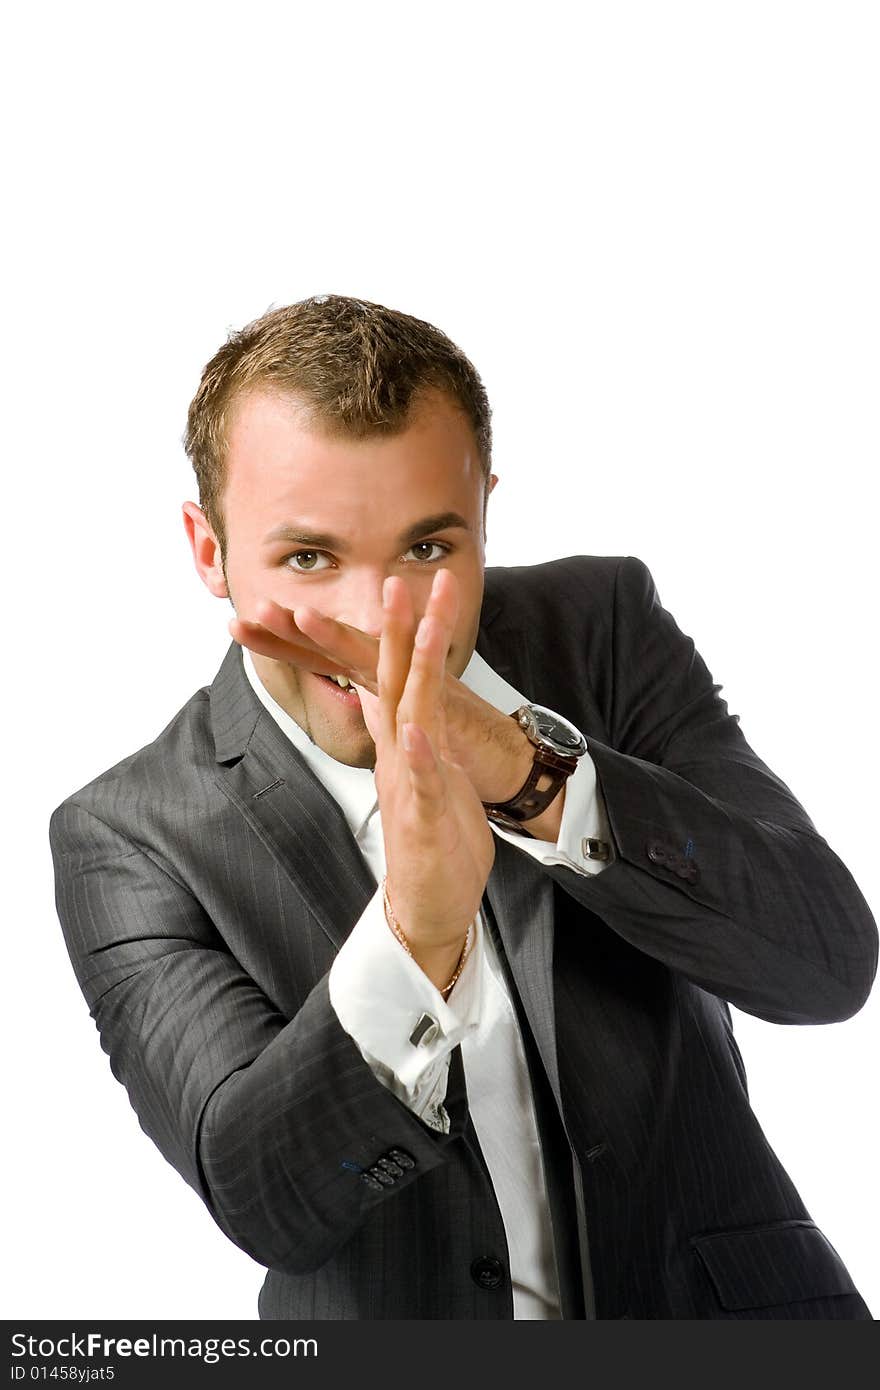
(383, 999)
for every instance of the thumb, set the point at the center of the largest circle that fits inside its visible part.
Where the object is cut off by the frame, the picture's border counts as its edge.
(370, 710)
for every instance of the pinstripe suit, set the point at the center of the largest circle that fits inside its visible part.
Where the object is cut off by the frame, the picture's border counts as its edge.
(205, 883)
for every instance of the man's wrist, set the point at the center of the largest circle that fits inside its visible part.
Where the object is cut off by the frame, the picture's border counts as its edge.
(442, 963)
(493, 751)
(554, 746)
(520, 760)
(498, 756)
(548, 824)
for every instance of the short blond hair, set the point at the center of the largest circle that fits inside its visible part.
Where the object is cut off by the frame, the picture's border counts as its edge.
(357, 366)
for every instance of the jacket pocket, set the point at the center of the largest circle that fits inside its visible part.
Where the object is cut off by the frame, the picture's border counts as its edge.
(759, 1266)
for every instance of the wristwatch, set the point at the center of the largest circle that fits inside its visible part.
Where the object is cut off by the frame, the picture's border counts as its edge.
(558, 747)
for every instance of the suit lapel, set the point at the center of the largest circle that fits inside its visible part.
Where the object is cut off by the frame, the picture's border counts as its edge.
(286, 805)
(501, 646)
(519, 893)
(520, 897)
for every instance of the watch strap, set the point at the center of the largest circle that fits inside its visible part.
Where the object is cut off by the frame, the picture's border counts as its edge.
(548, 772)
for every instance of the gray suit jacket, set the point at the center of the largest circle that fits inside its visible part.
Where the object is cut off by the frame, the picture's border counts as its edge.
(206, 882)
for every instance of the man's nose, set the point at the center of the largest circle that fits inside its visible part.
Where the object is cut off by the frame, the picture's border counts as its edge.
(362, 605)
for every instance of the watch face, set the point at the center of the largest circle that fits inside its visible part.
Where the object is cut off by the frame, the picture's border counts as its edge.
(553, 729)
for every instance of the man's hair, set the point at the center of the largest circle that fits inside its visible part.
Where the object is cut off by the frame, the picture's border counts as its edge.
(358, 367)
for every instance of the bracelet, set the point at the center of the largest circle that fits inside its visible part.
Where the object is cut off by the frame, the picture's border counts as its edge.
(398, 932)
(465, 952)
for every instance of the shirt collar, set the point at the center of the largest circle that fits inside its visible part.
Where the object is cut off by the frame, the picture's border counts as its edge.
(354, 788)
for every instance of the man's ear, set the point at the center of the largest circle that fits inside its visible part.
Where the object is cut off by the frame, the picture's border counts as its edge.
(490, 487)
(205, 549)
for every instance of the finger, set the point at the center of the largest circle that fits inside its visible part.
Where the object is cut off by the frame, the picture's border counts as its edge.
(265, 643)
(427, 782)
(421, 699)
(308, 639)
(355, 650)
(442, 736)
(371, 715)
(443, 606)
(395, 649)
(443, 601)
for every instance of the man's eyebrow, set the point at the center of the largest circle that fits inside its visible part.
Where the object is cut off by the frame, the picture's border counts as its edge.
(317, 540)
(322, 540)
(442, 521)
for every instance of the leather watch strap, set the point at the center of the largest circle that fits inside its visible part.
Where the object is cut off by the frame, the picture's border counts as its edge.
(548, 772)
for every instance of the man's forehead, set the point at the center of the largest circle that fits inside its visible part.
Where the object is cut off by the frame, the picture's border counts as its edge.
(262, 409)
(275, 445)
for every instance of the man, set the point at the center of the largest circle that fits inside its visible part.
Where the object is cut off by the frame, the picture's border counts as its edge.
(427, 1002)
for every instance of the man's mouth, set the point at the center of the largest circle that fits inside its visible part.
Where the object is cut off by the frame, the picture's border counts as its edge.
(342, 688)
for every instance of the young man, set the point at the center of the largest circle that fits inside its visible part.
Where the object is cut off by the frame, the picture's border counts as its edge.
(427, 1002)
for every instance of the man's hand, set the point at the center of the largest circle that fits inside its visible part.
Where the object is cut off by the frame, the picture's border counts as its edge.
(306, 638)
(486, 744)
(439, 847)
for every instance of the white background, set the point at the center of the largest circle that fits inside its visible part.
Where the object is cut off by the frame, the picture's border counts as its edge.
(654, 229)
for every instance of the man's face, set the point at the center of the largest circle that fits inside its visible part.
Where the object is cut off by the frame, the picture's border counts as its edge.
(321, 521)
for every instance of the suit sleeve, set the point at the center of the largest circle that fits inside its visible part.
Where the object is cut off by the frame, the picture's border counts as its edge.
(275, 1122)
(720, 873)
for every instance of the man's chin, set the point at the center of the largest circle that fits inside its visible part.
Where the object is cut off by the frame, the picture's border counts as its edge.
(366, 760)
(350, 752)
(336, 723)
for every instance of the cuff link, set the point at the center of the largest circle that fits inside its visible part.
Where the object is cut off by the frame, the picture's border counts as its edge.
(595, 849)
(425, 1031)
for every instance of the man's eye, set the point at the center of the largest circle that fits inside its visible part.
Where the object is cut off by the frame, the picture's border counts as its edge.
(305, 560)
(422, 551)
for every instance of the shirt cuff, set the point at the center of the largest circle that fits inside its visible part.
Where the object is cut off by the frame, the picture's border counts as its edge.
(403, 1027)
(584, 818)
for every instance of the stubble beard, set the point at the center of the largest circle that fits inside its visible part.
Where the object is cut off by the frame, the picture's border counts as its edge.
(352, 748)
(333, 743)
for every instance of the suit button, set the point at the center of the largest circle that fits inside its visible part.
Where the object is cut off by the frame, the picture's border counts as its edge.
(389, 1166)
(381, 1176)
(657, 853)
(402, 1157)
(372, 1183)
(487, 1272)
